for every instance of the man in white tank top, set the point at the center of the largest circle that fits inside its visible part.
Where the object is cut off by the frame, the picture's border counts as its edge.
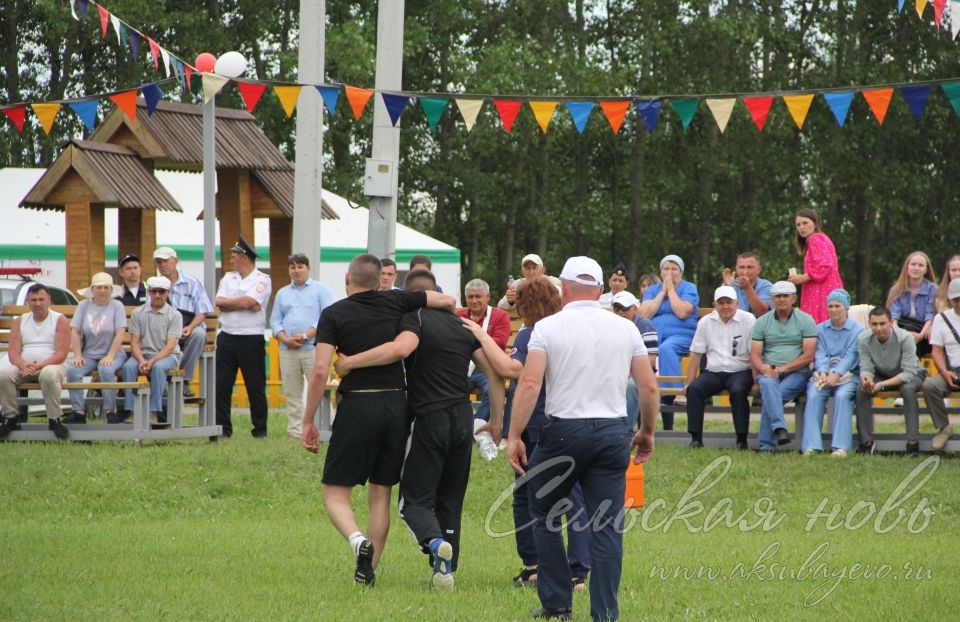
(39, 343)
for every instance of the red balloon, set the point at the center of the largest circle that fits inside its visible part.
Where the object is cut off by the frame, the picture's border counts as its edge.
(205, 62)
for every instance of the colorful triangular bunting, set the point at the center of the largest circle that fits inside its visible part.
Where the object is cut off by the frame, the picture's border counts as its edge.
(938, 7)
(87, 111)
(104, 20)
(154, 53)
(395, 105)
(187, 74)
(685, 109)
(251, 92)
(329, 95)
(952, 91)
(46, 114)
(916, 97)
(358, 98)
(83, 8)
(118, 28)
(165, 55)
(954, 19)
(212, 84)
(543, 112)
(580, 112)
(127, 102)
(920, 5)
(615, 110)
(433, 108)
(798, 106)
(879, 102)
(134, 39)
(152, 96)
(17, 114)
(839, 103)
(508, 109)
(759, 109)
(900, 6)
(721, 109)
(288, 96)
(469, 109)
(649, 109)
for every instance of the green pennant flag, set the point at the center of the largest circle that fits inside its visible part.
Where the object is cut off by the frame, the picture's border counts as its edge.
(433, 108)
(952, 91)
(685, 109)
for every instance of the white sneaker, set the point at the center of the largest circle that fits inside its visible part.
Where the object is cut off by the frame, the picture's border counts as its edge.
(898, 401)
(680, 400)
(809, 452)
(838, 453)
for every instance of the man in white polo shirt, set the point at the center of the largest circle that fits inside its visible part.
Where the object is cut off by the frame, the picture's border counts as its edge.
(585, 355)
(945, 341)
(724, 337)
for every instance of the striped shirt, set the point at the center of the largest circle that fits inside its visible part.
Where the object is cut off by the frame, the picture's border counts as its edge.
(188, 294)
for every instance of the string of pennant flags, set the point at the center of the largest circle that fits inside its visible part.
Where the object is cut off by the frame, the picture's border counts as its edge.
(939, 13)
(433, 105)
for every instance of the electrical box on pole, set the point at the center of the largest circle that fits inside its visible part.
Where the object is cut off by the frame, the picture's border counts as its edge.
(380, 178)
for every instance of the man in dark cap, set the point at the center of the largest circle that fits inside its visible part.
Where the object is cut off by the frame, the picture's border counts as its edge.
(242, 297)
(134, 292)
(618, 281)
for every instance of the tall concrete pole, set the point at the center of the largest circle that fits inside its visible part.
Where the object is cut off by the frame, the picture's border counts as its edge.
(382, 227)
(309, 165)
(210, 198)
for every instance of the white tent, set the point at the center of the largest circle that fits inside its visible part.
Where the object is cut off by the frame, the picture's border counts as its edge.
(37, 237)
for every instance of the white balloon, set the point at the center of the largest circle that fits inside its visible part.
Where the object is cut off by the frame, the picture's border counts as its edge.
(231, 65)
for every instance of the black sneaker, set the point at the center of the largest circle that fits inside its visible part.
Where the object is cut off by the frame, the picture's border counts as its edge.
(527, 576)
(74, 417)
(867, 449)
(913, 449)
(9, 425)
(115, 417)
(551, 614)
(742, 446)
(695, 444)
(364, 575)
(783, 437)
(59, 430)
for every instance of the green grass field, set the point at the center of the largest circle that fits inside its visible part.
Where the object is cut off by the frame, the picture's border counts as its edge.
(236, 531)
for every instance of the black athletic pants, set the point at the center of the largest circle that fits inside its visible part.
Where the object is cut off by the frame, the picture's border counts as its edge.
(246, 353)
(435, 473)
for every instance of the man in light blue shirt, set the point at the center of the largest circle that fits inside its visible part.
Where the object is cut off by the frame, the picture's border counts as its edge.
(296, 311)
(753, 293)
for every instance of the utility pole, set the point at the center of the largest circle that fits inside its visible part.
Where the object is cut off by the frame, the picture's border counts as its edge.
(380, 181)
(308, 173)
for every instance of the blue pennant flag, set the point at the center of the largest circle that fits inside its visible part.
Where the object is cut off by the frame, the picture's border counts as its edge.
(83, 8)
(839, 105)
(899, 6)
(580, 112)
(650, 110)
(87, 111)
(134, 42)
(330, 94)
(916, 98)
(395, 105)
(178, 71)
(152, 94)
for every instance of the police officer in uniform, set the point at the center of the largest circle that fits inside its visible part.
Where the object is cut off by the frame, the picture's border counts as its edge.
(242, 297)
(134, 292)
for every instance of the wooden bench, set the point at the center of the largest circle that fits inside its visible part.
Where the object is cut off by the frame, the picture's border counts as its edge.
(140, 429)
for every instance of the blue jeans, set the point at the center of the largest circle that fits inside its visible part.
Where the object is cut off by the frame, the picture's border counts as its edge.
(842, 434)
(478, 380)
(158, 380)
(595, 453)
(107, 374)
(776, 392)
(633, 404)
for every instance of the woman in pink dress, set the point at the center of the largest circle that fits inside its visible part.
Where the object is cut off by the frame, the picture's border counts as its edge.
(821, 270)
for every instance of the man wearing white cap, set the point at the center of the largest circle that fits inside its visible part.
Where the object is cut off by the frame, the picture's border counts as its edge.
(945, 340)
(584, 355)
(189, 298)
(724, 337)
(531, 265)
(784, 341)
(155, 330)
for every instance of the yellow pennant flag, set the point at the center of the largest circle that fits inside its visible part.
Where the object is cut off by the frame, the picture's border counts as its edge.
(212, 84)
(288, 96)
(46, 113)
(920, 5)
(543, 112)
(721, 109)
(799, 106)
(469, 109)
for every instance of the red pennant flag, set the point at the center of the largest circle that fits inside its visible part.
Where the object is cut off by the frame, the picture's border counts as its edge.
(154, 52)
(358, 98)
(16, 114)
(759, 108)
(938, 7)
(508, 109)
(127, 102)
(879, 102)
(104, 20)
(188, 71)
(251, 92)
(615, 110)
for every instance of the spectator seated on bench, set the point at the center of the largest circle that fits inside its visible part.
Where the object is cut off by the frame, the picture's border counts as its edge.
(784, 341)
(96, 338)
(39, 342)
(724, 336)
(155, 330)
(888, 359)
(836, 368)
(945, 341)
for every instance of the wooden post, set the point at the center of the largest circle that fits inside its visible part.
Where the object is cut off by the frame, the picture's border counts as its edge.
(234, 210)
(78, 244)
(280, 249)
(96, 252)
(137, 234)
